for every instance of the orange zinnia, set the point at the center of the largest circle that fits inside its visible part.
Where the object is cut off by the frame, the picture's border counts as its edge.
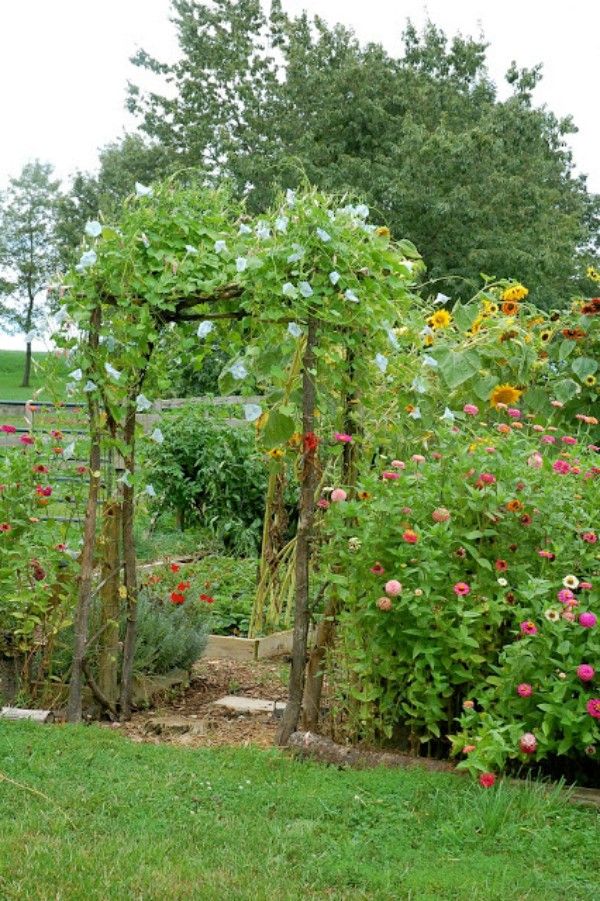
(514, 505)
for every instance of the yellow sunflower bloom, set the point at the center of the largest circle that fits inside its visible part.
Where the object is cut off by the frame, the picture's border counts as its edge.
(490, 308)
(440, 319)
(505, 394)
(383, 231)
(515, 293)
(593, 273)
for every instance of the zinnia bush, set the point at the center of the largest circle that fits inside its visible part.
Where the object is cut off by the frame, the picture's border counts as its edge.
(478, 617)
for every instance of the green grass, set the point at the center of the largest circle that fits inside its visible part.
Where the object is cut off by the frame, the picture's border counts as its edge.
(12, 363)
(123, 820)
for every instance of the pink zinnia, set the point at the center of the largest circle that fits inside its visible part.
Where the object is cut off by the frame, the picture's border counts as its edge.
(548, 439)
(389, 475)
(26, 439)
(471, 409)
(440, 514)
(590, 537)
(418, 458)
(342, 438)
(548, 555)
(567, 439)
(557, 403)
(528, 743)
(593, 708)
(322, 503)
(537, 428)
(585, 585)
(513, 413)
(562, 467)
(8, 429)
(398, 464)
(487, 478)
(377, 569)
(462, 589)
(528, 628)
(566, 596)
(384, 604)
(393, 587)
(490, 450)
(586, 672)
(338, 494)
(524, 690)
(486, 780)
(588, 620)
(536, 461)
(5, 527)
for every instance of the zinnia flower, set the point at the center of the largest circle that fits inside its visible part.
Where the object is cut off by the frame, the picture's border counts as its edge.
(410, 536)
(338, 495)
(590, 537)
(322, 503)
(586, 672)
(487, 780)
(528, 628)
(528, 743)
(565, 596)
(552, 615)
(487, 478)
(462, 589)
(377, 569)
(571, 582)
(470, 409)
(593, 708)
(524, 690)
(398, 464)
(393, 587)
(342, 438)
(207, 599)
(177, 597)
(567, 439)
(513, 506)
(390, 476)
(588, 620)
(440, 514)
(8, 429)
(5, 527)
(561, 467)
(384, 604)
(418, 458)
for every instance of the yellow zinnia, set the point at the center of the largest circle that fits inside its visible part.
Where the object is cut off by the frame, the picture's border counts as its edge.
(440, 319)
(593, 273)
(515, 293)
(505, 394)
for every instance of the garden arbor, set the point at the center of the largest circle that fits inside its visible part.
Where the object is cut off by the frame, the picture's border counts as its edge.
(309, 293)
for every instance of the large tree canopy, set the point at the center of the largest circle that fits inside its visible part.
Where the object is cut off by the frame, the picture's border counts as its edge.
(479, 184)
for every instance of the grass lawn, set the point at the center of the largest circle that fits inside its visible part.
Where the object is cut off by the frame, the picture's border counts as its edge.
(12, 363)
(129, 821)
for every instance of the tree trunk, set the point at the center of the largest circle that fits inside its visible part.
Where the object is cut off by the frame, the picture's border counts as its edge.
(84, 602)
(108, 646)
(306, 505)
(27, 370)
(317, 747)
(130, 563)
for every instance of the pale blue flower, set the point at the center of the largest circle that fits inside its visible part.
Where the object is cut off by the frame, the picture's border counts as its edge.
(334, 277)
(249, 186)
(351, 296)
(157, 436)
(189, 248)
(305, 289)
(290, 197)
(90, 386)
(323, 235)
(142, 404)
(68, 451)
(392, 338)
(244, 229)
(419, 385)
(88, 259)
(76, 375)
(448, 415)
(426, 331)
(252, 412)
(205, 328)
(263, 231)
(150, 490)
(112, 372)
(125, 479)
(429, 361)
(93, 228)
(441, 298)
(241, 264)
(297, 254)
(220, 246)
(381, 362)
(288, 290)
(294, 330)
(281, 223)
(416, 414)
(238, 370)
(362, 210)
(142, 191)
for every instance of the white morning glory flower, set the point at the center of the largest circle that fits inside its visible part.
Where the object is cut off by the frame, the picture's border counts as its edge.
(142, 191)
(249, 186)
(125, 479)
(238, 370)
(142, 403)
(351, 296)
(288, 290)
(297, 254)
(89, 386)
(220, 246)
(263, 231)
(93, 228)
(244, 229)
(323, 235)
(144, 240)
(68, 451)
(392, 338)
(381, 362)
(76, 375)
(448, 415)
(427, 331)
(369, 229)
(305, 289)
(416, 414)
(408, 264)
(362, 210)
(150, 490)
(189, 248)
(281, 223)
(290, 197)
(205, 328)
(252, 412)
(61, 316)
(334, 277)
(113, 373)
(331, 215)
(241, 264)
(419, 385)
(157, 436)
(441, 298)
(88, 259)
(429, 361)
(294, 330)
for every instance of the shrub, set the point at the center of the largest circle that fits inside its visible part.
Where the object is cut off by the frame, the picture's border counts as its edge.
(169, 636)
(211, 473)
(453, 571)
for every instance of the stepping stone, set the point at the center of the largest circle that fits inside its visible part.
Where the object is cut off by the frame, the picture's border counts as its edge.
(174, 725)
(236, 704)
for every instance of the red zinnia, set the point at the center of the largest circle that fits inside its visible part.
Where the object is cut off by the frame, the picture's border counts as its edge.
(501, 566)
(175, 567)
(183, 586)
(207, 599)
(177, 597)
(311, 442)
(5, 527)
(8, 429)
(486, 780)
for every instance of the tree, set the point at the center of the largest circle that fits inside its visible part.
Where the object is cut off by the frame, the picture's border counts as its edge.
(28, 253)
(479, 185)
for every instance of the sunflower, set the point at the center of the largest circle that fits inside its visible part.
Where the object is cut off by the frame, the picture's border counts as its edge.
(590, 380)
(364, 495)
(440, 319)
(510, 308)
(537, 320)
(476, 325)
(490, 307)
(593, 273)
(505, 394)
(276, 453)
(515, 292)
(383, 231)
(545, 335)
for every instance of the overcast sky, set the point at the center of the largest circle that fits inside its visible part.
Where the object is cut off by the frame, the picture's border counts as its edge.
(64, 64)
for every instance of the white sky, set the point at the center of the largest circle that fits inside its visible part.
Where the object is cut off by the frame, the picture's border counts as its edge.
(64, 64)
